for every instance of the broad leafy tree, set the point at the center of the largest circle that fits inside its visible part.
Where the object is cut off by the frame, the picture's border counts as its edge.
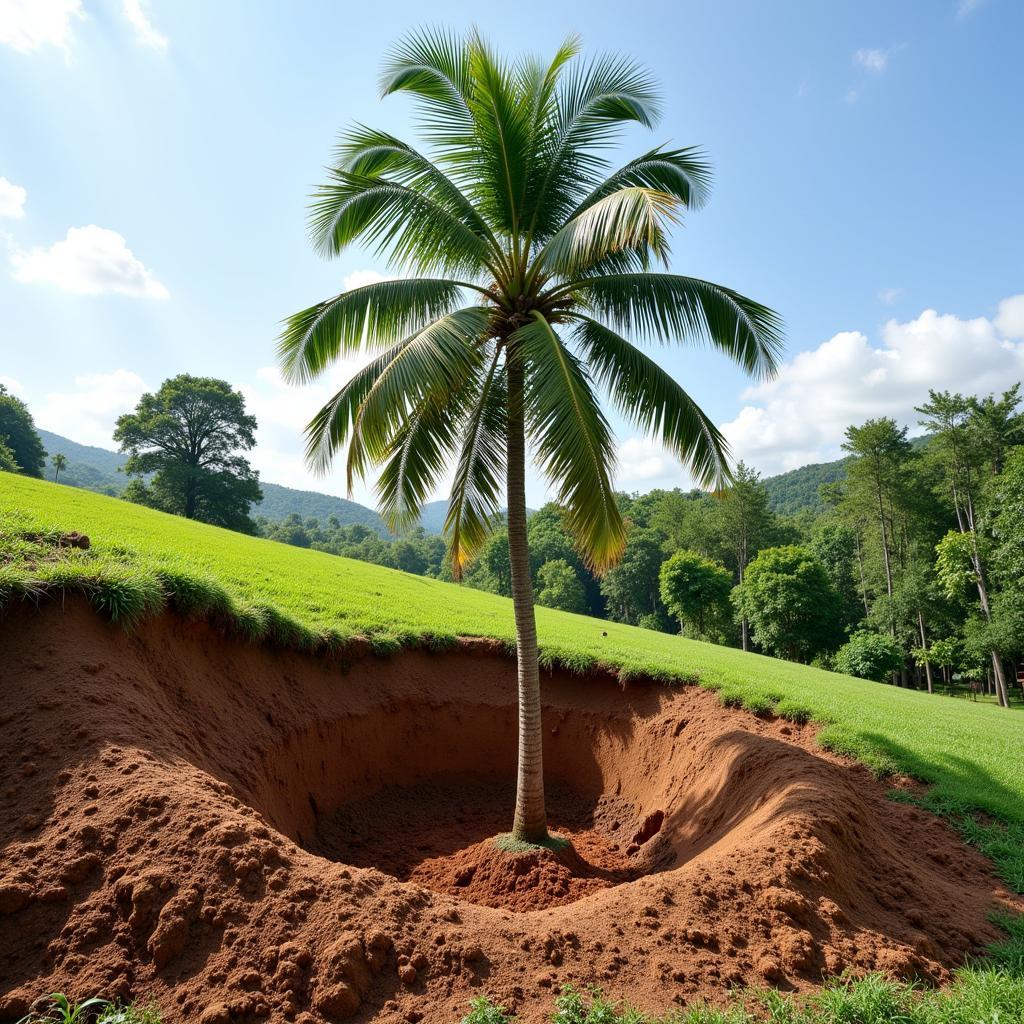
(696, 591)
(18, 433)
(794, 613)
(529, 268)
(560, 587)
(189, 435)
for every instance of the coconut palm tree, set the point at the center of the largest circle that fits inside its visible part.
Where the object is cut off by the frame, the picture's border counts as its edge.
(58, 462)
(526, 259)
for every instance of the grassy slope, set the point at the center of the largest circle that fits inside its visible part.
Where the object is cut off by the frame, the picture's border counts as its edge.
(971, 752)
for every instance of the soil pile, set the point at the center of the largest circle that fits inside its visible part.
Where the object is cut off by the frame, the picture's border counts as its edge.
(243, 834)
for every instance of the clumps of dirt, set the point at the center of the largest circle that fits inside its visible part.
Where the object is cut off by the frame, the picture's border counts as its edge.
(243, 834)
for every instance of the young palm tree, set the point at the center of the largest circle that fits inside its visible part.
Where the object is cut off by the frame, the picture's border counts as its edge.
(59, 462)
(527, 258)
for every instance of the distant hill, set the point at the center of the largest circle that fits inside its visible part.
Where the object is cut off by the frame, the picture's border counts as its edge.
(95, 469)
(796, 490)
(279, 502)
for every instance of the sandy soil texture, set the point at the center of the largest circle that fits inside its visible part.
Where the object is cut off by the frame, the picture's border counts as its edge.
(242, 833)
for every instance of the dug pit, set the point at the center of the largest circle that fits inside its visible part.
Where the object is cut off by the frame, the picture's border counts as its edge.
(242, 833)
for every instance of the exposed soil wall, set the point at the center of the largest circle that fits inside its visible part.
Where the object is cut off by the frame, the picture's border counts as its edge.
(242, 833)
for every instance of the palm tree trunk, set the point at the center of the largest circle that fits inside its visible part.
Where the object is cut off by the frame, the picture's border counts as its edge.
(530, 823)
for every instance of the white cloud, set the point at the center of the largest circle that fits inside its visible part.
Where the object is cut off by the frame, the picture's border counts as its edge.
(872, 60)
(89, 261)
(137, 13)
(12, 385)
(29, 25)
(12, 198)
(1010, 318)
(889, 295)
(966, 7)
(801, 415)
(643, 461)
(87, 413)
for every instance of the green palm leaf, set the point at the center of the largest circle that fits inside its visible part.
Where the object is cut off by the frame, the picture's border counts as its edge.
(572, 441)
(682, 173)
(406, 227)
(646, 394)
(670, 308)
(370, 317)
(476, 489)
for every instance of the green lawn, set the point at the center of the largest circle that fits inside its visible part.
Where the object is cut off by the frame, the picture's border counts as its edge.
(972, 753)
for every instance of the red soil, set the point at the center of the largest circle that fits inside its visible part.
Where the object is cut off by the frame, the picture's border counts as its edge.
(242, 833)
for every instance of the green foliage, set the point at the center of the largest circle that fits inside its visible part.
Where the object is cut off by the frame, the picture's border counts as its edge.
(631, 587)
(8, 463)
(953, 565)
(188, 435)
(483, 1011)
(869, 655)
(902, 730)
(696, 591)
(792, 608)
(19, 436)
(560, 587)
(60, 1010)
(800, 489)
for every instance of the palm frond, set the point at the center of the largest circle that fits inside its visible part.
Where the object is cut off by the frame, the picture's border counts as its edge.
(648, 396)
(683, 173)
(435, 362)
(361, 407)
(369, 153)
(630, 219)
(594, 101)
(418, 453)
(433, 65)
(372, 316)
(407, 227)
(572, 441)
(670, 308)
(476, 489)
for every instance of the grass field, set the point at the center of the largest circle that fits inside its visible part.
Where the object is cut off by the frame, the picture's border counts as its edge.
(973, 754)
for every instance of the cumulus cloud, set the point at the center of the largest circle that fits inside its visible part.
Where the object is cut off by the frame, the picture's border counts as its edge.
(1010, 318)
(12, 199)
(88, 261)
(801, 415)
(642, 460)
(87, 413)
(13, 386)
(29, 25)
(137, 13)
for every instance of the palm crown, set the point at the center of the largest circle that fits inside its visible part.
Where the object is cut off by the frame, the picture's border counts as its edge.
(528, 260)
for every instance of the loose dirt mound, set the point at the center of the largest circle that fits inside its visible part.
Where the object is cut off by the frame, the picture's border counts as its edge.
(242, 833)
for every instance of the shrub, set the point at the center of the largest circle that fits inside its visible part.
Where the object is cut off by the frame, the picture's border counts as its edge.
(869, 655)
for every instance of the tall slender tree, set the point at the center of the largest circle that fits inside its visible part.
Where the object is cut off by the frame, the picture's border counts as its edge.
(528, 257)
(959, 444)
(59, 462)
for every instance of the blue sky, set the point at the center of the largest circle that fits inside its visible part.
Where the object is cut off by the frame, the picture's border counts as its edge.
(155, 160)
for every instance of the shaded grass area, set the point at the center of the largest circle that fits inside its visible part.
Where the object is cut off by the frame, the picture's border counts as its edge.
(140, 561)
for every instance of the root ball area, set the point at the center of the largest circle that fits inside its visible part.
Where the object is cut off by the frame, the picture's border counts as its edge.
(240, 834)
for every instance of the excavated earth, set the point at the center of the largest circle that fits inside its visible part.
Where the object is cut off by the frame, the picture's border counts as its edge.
(241, 833)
